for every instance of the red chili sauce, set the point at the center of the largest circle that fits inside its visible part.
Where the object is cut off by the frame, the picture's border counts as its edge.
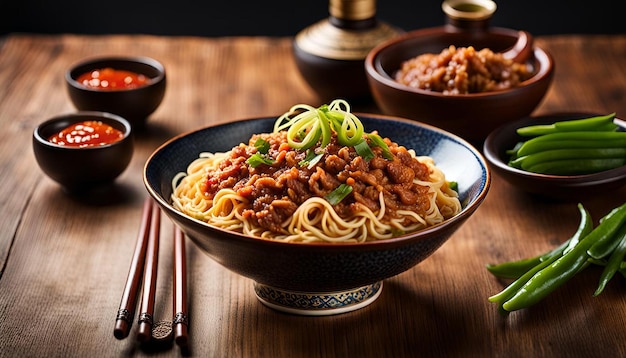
(110, 79)
(87, 134)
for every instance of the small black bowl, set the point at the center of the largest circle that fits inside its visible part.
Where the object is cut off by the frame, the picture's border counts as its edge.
(560, 187)
(134, 105)
(80, 169)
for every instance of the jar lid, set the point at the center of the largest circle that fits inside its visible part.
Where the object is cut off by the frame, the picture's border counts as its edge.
(469, 9)
(352, 9)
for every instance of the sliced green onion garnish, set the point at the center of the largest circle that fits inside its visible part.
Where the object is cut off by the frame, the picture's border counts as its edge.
(285, 121)
(379, 142)
(351, 130)
(311, 159)
(325, 127)
(454, 186)
(310, 126)
(262, 145)
(364, 150)
(257, 159)
(337, 195)
(395, 232)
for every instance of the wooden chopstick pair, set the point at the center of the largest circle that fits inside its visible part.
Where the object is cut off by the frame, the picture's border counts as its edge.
(145, 263)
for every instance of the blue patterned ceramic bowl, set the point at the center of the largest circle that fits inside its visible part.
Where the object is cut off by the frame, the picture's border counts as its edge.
(320, 278)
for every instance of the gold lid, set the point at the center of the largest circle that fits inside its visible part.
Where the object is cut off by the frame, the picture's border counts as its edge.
(352, 9)
(471, 10)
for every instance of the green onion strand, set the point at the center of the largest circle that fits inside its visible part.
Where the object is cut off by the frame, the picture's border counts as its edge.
(364, 150)
(377, 141)
(262, 146)
(337, 195)
(257, 159)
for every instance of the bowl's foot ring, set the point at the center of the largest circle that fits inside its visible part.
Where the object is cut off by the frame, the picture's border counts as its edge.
(317, 303)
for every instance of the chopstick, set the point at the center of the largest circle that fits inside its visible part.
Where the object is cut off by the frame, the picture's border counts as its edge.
(145, 262)
(180, 324)
(126, 312)
(150, 277)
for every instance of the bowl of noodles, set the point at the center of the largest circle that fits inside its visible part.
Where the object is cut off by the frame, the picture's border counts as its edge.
(320, 205)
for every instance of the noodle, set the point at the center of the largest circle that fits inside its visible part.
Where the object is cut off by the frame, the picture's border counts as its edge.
(361, 216)
(315, 219)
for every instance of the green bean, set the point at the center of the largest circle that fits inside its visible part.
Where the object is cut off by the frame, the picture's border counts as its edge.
(599, 138)
(578, 135)
(513, 152)
(560, 271)
(528, 161)
(576, 166)
(514, 269)
(584, 124)
(605, 243)
(585, 226)
(512, 289)
(609, 127)
(622, 268)
(610, 213)
(615, 260)
(520, 150)
(547, 279)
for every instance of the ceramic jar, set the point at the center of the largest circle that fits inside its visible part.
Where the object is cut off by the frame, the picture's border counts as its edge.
(330, 54)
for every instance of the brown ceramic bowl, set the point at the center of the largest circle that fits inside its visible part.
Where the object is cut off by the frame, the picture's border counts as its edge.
(81, 169)
(565, 188)
(471, 116)
(135, 105)
(300, 277)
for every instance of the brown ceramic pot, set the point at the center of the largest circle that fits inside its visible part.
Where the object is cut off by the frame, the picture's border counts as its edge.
(472, 116)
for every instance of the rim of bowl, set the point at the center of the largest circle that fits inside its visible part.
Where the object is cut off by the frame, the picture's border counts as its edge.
(465, 213)
(375, 70)
(88, 62)
(492, 154)
(75, 117)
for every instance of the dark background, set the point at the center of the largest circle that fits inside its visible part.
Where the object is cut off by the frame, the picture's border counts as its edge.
(285, 18)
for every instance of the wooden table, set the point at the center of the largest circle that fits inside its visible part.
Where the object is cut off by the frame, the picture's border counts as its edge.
(64, 260)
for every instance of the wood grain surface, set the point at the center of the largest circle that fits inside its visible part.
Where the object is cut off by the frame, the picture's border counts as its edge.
(64, 259)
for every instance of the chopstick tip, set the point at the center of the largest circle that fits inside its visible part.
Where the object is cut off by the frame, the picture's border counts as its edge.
(145, 333)
(121, 329)
(181, 341)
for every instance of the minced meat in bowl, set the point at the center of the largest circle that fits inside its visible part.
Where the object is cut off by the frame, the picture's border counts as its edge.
(462, 70)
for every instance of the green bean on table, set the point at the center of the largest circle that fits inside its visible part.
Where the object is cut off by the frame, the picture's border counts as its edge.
(584, 227)
(606, 243)
(567, 260)
(615, 260)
